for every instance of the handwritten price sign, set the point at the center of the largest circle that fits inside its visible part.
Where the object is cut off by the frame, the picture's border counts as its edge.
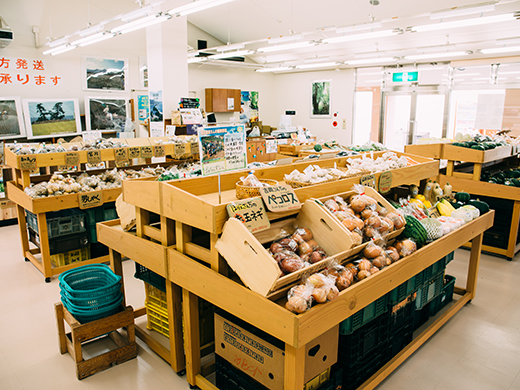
(88, 200)
(280, 198)
(250, 212)
(28, 163)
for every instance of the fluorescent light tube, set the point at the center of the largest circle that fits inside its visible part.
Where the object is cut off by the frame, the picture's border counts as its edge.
(436, 55)
(196, 59)
(370, 61)
(102, 37)
(501, 50)
(288, 38)
(464, 23)
(502, 73)
(196, 7)
(58, 42)
(460, 11)
(92, 38)
(140, 23)
(480, 78)
(59, 50)
(289, 46)
(359, 37)
(322, 65)
(91, 30)
(145, 11)
(236, 46)
(231, 54)
(358, 27)
(314, 60)
(280, 69)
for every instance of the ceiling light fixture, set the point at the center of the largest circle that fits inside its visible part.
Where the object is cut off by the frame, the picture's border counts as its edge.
(359, 37)
(91, 30)
(501, 50)
(288, 38)
(317, 59)
(358, 27)
(196, 60)
(58, 42)
(321, 65)
(231, 54)
(436, 55)
(196, 6)
(461, 11)
(464, 23)
(236, 46)
(94, 39)
(289, 46)
(280, 69)
(145, 11)
(59, 50)
(141, 23)
(370, 61)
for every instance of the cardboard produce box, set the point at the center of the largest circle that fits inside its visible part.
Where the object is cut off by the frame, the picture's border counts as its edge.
(264, 361)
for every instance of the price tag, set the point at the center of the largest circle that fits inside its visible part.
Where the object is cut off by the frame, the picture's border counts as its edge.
(146, 152)
(195, 148)
(158, 151)
(134, 152)
(28, 162)
(72, 159)
(327, 155)
(5, 204)
(284, 161)
(122, 163)
(35, 171)
(88, 200)
(93, 156)
(251, 212)
(385, 182)
(121, 154)
(368, 180)
(280, 198)
(179, 149)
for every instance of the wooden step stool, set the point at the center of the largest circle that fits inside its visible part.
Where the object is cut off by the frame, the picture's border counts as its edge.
(81, 333)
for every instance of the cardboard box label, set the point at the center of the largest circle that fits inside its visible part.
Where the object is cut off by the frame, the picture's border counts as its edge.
(122, 163)
(385, 182)
(121, 154)
(369, 181)
(195, 148)
(72, 159)
(158, 151)
(179, 149)
(146, 152)
(91, 199)
(134, 152)
(93, 156)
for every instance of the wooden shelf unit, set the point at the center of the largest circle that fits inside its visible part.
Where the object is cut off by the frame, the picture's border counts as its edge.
(217, 99)
(40, 206)
(185, 204)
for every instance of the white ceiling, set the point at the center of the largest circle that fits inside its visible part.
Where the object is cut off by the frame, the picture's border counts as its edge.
(256, 20)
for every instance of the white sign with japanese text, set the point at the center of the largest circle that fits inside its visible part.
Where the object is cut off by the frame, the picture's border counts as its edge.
(222, 149)
(26, 71)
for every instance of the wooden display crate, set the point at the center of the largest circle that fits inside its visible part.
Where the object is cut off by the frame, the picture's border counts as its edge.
(255, 266)
(196, 201)
(458, 153)
(324, 153)
(426, 150)
(293, 150)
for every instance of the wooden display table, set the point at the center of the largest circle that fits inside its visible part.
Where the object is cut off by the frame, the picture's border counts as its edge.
(426, 150)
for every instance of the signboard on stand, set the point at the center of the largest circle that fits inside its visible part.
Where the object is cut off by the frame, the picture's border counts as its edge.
(222, 149)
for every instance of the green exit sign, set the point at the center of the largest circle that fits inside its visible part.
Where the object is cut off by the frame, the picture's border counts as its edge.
(405, 76)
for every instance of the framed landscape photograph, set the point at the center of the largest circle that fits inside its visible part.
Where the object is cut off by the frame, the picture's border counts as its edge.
(45, 118)
(104, 74)
(320, 99)
(106, 113)
(11, 118)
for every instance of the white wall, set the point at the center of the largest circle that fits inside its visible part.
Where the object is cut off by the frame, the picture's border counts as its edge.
(293, 93)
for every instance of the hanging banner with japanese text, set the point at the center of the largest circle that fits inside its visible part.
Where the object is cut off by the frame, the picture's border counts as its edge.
(222, 149)
(26, 71)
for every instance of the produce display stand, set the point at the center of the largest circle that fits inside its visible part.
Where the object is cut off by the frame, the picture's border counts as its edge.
(200, 272)
(7, 207)
(22, 179)
(294, 150)
(426, 150)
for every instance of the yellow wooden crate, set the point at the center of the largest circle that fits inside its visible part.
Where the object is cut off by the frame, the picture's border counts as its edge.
(73, 256)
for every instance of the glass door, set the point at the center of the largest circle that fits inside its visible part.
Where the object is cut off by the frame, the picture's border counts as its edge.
(411, 114)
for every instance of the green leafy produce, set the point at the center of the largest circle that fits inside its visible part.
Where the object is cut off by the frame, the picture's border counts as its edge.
(318, 147)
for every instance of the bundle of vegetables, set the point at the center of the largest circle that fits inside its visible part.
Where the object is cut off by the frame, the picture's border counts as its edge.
(480, 142)
(369, 147)
(508, 178)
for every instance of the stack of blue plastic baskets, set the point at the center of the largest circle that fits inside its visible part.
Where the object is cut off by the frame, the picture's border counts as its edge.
(91, 292)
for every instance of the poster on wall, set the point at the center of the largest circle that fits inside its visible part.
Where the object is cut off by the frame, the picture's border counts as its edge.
(156, 106)
(320, 99)
(104, 74)
(490, 111)
(11, 118)
(222, 149)
(249, 106)
(49, 117)
(143, 72)
(143, 109)
(106, 114)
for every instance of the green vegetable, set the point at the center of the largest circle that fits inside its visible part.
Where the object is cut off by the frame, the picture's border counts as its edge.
(318, 147)
(482, 206)
(478, 147)
(462, 196)
(516, 182)
(415, 230)
(457, 204)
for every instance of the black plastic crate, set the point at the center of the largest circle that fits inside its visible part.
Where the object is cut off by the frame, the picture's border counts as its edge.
(61, 244)
(445, 297)
(59, 223)
(150, 277)
(363, 342)
(400, 338)
(356, 374)
(402, 314)
(98, 250)
(430, 290)
(105, 212)
(421, 317)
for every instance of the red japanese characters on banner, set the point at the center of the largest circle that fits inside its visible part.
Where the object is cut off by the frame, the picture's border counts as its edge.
(23, 71)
